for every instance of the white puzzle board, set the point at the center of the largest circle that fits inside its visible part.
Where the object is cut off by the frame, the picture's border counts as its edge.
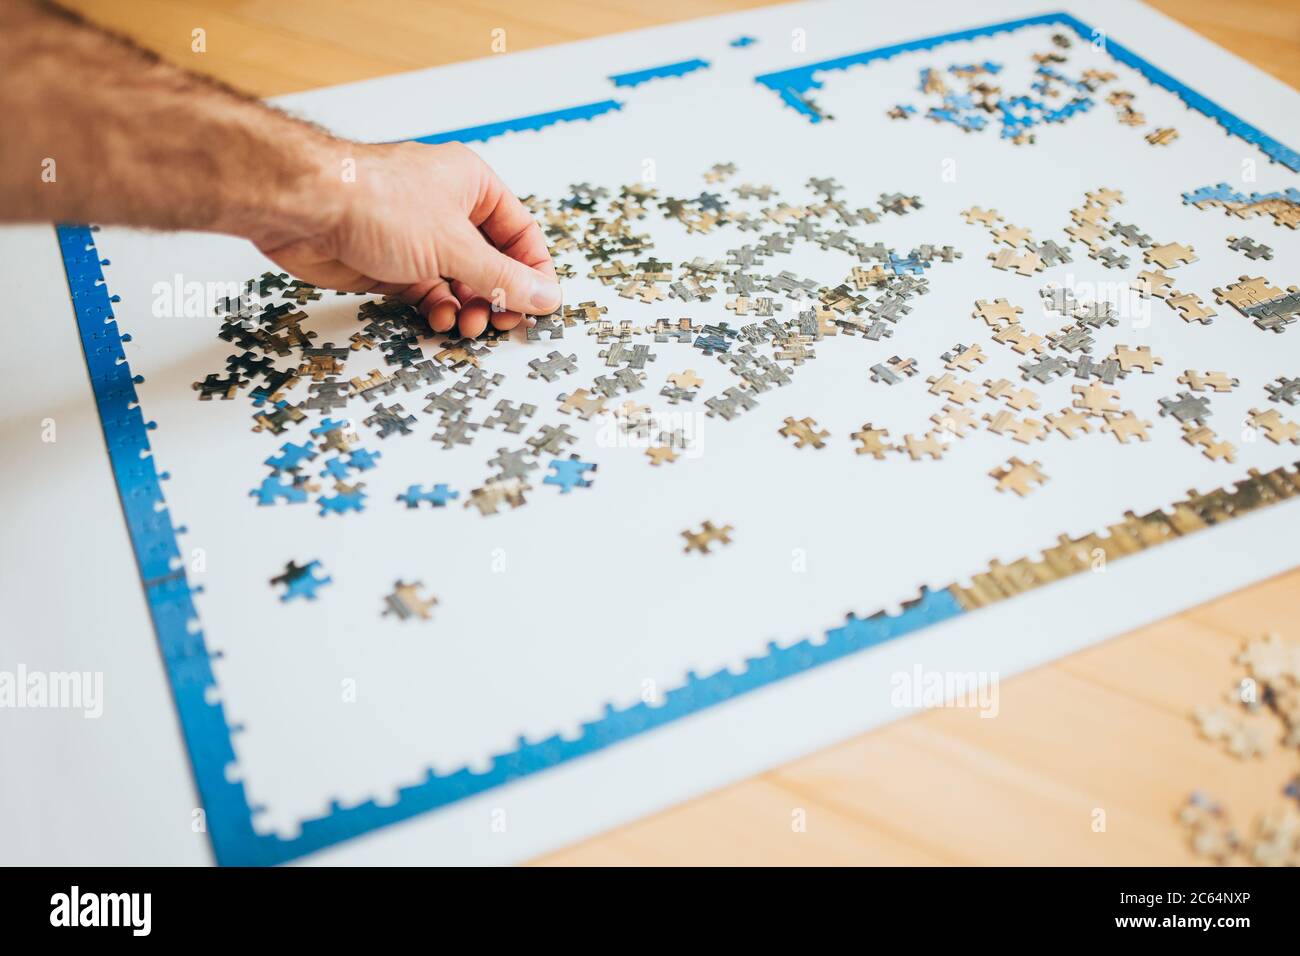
(556, 613)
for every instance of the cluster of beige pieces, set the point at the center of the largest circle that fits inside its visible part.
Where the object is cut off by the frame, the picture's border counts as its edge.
(1260, 713)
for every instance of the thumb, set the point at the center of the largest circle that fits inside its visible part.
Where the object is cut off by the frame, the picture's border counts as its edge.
(505, 282)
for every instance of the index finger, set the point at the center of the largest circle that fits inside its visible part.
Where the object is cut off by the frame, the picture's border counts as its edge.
(508, 225)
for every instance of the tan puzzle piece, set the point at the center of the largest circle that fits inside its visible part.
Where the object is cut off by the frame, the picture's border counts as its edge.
(1170, 255)
(997, 312)
(1067, 422)
(1096, 399)
(1126, 425)
(873, 441)
(1139, 358)
(1019, 476)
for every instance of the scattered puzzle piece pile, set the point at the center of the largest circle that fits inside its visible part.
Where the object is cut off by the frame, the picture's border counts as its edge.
(1261, 712)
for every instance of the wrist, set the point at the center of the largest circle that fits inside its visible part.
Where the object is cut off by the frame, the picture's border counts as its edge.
(302, 196)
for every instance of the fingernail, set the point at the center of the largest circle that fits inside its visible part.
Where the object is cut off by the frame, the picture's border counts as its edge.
(546, 297)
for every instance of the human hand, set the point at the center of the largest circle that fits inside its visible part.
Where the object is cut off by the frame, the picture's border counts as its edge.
(432, 225)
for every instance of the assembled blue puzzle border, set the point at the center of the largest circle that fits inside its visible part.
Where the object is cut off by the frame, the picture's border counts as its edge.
(208, 735)
(794, 84)
(637, 77)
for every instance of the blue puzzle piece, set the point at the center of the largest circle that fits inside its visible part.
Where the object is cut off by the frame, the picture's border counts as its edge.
(569, 474)
(363, 460)
(292, 456)
(712, 343)
(335, 468)
(273, 489)
(260, 394)
(342, 502)
(300, 582)
(911, 265)
(329, 425)
(438, 497)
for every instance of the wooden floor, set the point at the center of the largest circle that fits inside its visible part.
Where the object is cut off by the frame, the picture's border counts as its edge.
(1105, 730)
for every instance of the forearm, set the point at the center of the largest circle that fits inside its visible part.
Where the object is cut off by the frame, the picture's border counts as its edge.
(100, 131)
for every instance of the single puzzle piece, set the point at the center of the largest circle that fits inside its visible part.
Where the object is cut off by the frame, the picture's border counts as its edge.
(390, 419)
(1189, 307)
(1023, 430)
(1125, 425)
(1186, 408)
(553, 366)
(1044, 370)
(583, 402)
(1109, 257)
(437, 496)
(873, 441)
(804, 432)
(277, 419)
(708, 535)
(300, 581)
(975, 216)
(1022, 263)
(1012, 235)
(1139, 358)
(291, 457)
(1021, 342)
(513, 464)
(661, 454)
(568, 474)
(1251, 248)
(1153, 283)
(497, 491)
(964, 357)
(1211, 446)
(1240, 739)
(1284, 390)
(1170, 255)
(1018, 476)
(1215, 381)
(1068, 422)
(686, 379)
(928, 444)
(406, 602)
(956, 420)
(1016, 398)
(955, 389)
(273, 489)
(225, 388)
(335, 468)
(1095, 399)
(510, 417)
(997, 313)
(551, 439)
(1271, 659)
(894, 370)
(1275, 428)
(730, 403)
(345, 498)
(1209, 831)
(456, 431)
